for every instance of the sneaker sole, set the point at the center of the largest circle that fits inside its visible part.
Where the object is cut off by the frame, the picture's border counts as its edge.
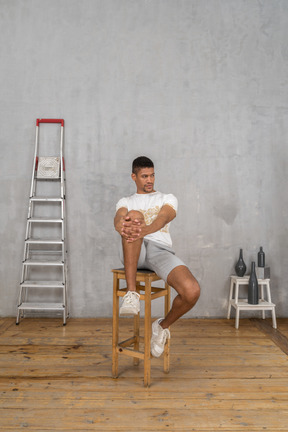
(127, 312)
(157, 355)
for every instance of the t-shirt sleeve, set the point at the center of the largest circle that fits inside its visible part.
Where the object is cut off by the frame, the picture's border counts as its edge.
(172, 201)
(122, 203)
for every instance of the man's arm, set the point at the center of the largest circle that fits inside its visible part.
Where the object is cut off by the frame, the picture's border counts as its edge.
(119, 219)
(127, 226)
(165, 215)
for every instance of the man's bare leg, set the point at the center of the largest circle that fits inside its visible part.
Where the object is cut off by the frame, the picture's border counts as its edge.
(131, 249)
(187, 287)
(131, 253)
(182, 280)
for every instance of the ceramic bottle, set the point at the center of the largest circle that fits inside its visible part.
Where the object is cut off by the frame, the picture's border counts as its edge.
(261, 258)
(253, 294)
(240, 267)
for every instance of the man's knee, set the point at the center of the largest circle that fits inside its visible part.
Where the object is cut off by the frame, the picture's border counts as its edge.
(185, 284)
(191, 293)
(135, 214)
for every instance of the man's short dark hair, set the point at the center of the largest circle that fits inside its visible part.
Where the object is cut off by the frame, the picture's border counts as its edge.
(141, 162)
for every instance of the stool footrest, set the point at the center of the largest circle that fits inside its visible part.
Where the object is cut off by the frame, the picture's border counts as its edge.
(130, 352)
(243, 304)
(128, 342)
(155, 293)
(158, 294)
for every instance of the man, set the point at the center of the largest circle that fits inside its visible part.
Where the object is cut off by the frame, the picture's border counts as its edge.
(143, 221)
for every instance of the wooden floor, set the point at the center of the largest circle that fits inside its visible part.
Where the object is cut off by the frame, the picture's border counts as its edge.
(55, 378)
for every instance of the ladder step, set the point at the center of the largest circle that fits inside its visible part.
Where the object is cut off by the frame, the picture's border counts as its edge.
(46, 252)
(42, 284)
(30, 262)
(46, 198)
(44, 241)
(41, 306)
(47, 178)
(45, 220)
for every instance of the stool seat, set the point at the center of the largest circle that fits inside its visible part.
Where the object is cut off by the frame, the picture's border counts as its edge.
(264, 304)
(130, 347)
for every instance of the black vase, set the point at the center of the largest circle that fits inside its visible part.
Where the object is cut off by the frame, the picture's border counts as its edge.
(261, 258)
(240, 267)
(253, 294)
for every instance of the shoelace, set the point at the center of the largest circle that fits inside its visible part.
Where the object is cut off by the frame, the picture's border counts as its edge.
(130, 297)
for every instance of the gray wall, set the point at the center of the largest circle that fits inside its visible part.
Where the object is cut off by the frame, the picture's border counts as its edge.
(199, 86)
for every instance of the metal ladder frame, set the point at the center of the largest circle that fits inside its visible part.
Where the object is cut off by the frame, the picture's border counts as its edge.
(28, 264)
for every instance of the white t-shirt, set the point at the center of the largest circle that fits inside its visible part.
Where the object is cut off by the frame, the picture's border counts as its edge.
(149, 205)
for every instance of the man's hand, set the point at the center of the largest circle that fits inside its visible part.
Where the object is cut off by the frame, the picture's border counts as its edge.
(132, 226)
(132, 230)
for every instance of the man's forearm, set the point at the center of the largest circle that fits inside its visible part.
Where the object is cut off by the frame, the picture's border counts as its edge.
(166, 215)
(118, 222)
(156, 225)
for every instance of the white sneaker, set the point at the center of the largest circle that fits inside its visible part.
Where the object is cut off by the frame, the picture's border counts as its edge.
(159, 338)
(130, 304)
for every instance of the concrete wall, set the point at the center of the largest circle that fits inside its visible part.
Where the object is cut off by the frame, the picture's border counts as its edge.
(200, 86)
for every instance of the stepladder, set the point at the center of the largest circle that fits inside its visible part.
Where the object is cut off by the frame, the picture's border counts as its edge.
(43, 286)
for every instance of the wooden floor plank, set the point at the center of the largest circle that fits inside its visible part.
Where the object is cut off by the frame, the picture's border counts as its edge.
(274, 334)
(152, 419)
(55, 378)
(164, 389)
(183, 401)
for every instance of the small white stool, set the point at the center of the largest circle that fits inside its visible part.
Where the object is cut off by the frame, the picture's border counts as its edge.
(242, 304)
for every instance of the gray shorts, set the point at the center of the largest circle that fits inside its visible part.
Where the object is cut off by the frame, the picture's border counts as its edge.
(157, 257)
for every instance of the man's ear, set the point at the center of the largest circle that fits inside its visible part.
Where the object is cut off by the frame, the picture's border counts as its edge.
(133, 176)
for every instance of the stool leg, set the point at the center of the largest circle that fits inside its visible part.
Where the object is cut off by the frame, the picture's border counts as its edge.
(237, 317)
(230, 299)
(236, 291)
(268, 292)
(274, 318)
(147, 333)
(270, 301)
(115, 329)
(262, 298)
(136, 336)
(167, 346)
(236, 304)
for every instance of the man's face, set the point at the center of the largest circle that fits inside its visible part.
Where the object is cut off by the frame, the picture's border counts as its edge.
(144, 180)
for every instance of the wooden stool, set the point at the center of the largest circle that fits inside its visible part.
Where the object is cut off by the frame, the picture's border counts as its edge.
(130, 347)
(242, 304)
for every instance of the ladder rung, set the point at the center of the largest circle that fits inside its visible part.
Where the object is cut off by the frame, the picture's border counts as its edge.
(41, 306)
(43, 263)
(35, 253)
(48, 199)
(42, 284)
(44, 241)
(47, 178)
(45, 220)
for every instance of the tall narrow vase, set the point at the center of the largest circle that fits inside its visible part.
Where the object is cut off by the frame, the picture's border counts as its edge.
(253, 294)
(240, 266)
